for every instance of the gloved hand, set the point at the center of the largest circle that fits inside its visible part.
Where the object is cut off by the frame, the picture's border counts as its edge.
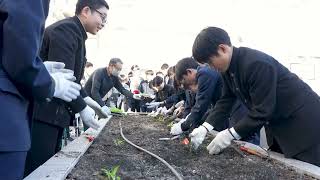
(152, 96)
(137, 96)
(96, 107)
(198, 134)
(53, 66)
(65, 89)
(106, 110)
(87, 116)
(179, 104)
(154, 104)
(176, 129)
(221, 141)
(164, 111)
(157, 112)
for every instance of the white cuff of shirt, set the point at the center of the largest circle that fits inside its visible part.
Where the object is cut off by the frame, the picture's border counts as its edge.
(208, 126)
(235, 134)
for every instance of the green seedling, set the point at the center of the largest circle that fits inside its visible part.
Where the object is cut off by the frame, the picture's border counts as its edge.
(170, 124)
(159, 118)
(116, 110)
(118, 142)
(111, 174)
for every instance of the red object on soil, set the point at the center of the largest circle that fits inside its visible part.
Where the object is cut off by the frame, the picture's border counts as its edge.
(185, 141)
(90, 138)
(136, 91)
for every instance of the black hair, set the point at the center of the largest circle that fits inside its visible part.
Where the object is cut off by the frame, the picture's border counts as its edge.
(95, 4)
(164, 66)
(157, 81)
(159, 72)
(182, 66)
(149, 72)
(114, 61)
(206, 43)
(89, 64)
(135, 67)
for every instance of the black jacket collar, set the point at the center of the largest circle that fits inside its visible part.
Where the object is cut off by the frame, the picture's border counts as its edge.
(83, 31)
(234, 60)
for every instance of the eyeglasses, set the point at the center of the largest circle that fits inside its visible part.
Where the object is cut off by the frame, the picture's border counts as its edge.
(102, 16)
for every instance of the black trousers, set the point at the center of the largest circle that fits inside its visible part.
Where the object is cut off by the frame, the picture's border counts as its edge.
(45, 139)
(135, 105)
(311, 155)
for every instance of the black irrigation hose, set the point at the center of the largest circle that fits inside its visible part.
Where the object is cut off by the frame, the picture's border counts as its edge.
(159, 158)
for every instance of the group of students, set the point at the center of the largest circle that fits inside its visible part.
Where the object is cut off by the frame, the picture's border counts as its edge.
(236, 91)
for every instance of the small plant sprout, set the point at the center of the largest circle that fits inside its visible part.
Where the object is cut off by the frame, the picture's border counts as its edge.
(170, 124)
(111, 174)
(118, 142)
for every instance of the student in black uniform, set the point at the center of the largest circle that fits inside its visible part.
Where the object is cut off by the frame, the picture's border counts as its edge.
(276, 98)
(203, 81)
(163, 92)
(64, 41)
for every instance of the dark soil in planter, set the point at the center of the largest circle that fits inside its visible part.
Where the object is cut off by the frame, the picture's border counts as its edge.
(110, 150)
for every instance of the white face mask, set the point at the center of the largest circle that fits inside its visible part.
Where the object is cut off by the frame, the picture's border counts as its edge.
(149, 78)
(115, 72)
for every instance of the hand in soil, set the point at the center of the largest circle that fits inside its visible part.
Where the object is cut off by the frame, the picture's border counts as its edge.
(197, 136)
(176, 129)
(88, 117)
(220, 142)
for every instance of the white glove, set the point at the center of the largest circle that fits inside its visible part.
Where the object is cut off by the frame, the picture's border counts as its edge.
(179, 104)
(106, 110)
(164, 111)
(96, 107)
(221, 141)
(53, 66)
(92, 103)
(65, 89)
(137, 96)
(198, 134)
(87, 116)
(157, 112)
(176, 129)
(154, 104)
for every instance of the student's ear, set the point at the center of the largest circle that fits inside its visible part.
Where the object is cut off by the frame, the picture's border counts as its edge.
(86, 11)
(189, 71)
(223, 49)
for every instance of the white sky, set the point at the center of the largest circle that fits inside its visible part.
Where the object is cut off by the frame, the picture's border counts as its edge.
(149, 32)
